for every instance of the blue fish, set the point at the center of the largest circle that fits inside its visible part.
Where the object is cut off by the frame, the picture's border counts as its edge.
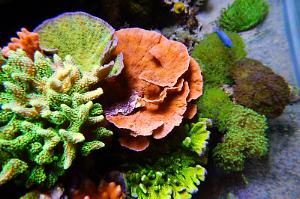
(224, 38)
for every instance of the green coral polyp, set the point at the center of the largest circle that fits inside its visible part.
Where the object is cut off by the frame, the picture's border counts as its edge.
(45, 107)
(197, 135)
(244, 128)
(243, 14)
(245, 138)
(175, 175)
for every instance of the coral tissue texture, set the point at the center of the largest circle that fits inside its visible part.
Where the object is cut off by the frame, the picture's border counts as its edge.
(242, 15)
(27, 41)
(85, 37)
(259, 88)
(164, 78)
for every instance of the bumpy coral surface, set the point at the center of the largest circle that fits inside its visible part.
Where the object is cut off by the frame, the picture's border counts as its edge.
(216, 59)
(259, 88)
(164, 79)
(86, 38)
(27, 41)
(245, 138)
(213, 102)
(47, 116)
(174, 175)
(244, 128)
(243, 14)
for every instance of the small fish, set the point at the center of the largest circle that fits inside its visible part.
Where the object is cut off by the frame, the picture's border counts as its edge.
(224, 38)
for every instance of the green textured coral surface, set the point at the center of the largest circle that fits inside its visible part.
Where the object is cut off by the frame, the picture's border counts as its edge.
(245, 138)
(175, 175)
(216, 59)
(46, 109)
(197, 135)
(244, 128)
(243, 14)
(214, 103)
(85, 37)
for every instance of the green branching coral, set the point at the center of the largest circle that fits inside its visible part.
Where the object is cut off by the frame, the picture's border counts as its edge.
(243, 14)
(175, 174)
(259, 88)
(47, 110)
(216, 59)
(86, 38)
(197, 135)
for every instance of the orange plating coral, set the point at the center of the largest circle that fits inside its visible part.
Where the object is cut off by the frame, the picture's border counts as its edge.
(27, 41)
(165, 78)
(104, 191)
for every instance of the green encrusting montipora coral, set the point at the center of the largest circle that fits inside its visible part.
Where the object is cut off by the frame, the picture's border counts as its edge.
(244, 128)
(176, 174)
(47, 115)
(243, 14)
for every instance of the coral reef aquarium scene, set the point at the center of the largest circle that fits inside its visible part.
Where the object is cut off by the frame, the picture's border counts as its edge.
(150, 99)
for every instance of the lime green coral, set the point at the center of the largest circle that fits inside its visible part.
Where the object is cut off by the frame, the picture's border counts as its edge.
(245, 138)
(176, 174)
(86, 38)
(197, 135)
(245, 130)
(243, 14)
(214, 103)
(216, 59)
(46, 110)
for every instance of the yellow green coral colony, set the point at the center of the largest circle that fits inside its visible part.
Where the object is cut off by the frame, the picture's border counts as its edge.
(48, 105)
(176, 174)
(44, 116)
